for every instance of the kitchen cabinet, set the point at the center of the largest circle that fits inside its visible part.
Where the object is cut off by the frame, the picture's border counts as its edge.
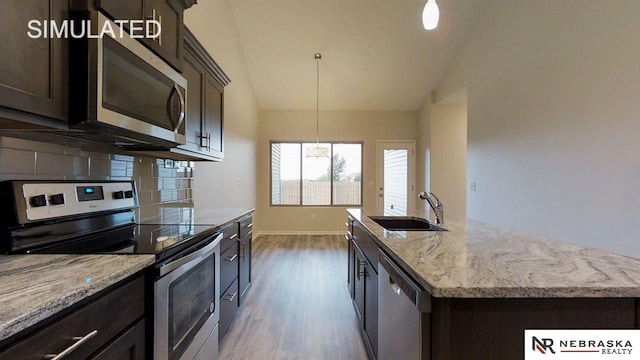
(34, 77)
(244, 275)
(365, 287)
(235, 269)
(228, 287)
(350, 257)
(205, 104)
(169, 13)
(111, 325)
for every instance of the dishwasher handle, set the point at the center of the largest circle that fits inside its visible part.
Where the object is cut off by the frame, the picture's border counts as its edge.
(402, 285)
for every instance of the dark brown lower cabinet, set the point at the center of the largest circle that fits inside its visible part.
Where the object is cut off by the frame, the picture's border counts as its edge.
(111, 326)
(228, 307)
(365, 299)
(235, 270)
(244, 274)
(128, 346)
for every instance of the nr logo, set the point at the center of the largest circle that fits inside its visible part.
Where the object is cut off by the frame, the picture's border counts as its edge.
(542, 345)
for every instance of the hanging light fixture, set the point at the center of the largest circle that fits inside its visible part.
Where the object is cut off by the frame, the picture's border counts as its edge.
(430, 15)
(318, 151)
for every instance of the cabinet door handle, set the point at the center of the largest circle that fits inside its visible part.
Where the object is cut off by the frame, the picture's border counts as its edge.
(347, 237)
(79, 341)
(160, 30)
(231, 258)
(230, 298)
(233, 236)
(242, 250)
(250, 225)
(346, 224)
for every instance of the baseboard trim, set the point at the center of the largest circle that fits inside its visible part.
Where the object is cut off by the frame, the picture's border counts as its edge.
(293, 232)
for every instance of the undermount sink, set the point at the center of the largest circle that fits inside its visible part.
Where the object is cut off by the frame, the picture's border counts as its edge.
(405, 223)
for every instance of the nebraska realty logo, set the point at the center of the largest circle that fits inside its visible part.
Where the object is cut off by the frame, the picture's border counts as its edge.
(581, 344)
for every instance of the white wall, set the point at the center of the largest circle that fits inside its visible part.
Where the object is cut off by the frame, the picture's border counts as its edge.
(299, 125)
(553, 126)
(448, 171)
(231, 183)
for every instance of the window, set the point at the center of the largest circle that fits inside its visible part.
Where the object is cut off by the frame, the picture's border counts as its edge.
(298, 179)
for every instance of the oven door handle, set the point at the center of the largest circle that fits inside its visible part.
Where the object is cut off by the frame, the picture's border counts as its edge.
(197, 255)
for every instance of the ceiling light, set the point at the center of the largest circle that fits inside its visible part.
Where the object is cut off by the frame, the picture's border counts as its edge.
(318, 151)
(430, 15)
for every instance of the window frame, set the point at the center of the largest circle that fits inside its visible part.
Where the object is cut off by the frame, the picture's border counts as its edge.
(300, 143)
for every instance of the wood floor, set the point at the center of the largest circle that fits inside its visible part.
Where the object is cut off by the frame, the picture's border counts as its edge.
(299, 305)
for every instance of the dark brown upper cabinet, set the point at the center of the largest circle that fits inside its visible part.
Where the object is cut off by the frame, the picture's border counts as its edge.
(205, 104)
(169, 13)
(33, 71)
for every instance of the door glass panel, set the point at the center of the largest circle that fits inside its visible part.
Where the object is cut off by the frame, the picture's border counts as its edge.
(396, 163)
(134, 88)
(190, 299)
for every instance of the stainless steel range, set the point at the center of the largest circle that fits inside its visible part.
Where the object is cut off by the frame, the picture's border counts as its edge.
(52, 217)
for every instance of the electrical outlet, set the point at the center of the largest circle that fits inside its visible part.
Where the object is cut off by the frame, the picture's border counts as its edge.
(473, 186)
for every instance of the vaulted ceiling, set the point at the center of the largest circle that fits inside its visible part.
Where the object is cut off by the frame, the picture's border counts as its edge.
(375, 53)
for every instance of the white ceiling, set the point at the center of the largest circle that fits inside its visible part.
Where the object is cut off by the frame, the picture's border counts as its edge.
(375, 53)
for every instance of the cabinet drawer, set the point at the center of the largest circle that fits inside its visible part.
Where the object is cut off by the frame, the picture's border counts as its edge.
(246, 225)
(368, 246)
(229, 236)
(228, 307)
(228, 266)
(107, 316)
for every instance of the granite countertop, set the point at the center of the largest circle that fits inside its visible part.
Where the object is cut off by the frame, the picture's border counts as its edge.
(35, 287)
(479, 260)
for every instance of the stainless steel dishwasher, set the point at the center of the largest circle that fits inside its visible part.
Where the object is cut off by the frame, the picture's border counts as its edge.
(403, 307)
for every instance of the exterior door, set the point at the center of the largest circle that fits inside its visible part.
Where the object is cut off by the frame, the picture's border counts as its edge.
(396, 189)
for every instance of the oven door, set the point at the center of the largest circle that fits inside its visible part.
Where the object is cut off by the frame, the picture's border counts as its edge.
(186, 304)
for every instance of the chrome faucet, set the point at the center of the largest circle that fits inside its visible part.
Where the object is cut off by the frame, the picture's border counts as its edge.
(437, 207)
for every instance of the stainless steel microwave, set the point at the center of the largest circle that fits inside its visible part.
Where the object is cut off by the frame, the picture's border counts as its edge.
(122, 93)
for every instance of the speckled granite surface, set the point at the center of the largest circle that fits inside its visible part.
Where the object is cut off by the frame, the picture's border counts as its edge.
(478, 260)
(34, 287)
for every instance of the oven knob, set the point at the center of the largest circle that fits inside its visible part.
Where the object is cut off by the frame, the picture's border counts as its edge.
(57, 199)
(128, 194)
(38, 200)
(118, 195)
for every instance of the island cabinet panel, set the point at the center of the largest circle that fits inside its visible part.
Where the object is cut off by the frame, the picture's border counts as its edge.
(112, 324)
(365, 292)
(33, 71)
(485, 329)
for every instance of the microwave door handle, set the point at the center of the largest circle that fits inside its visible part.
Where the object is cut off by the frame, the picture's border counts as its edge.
(176, 91)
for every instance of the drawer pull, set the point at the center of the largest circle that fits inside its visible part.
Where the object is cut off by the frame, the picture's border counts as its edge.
(230, 298)
(72, 348)
(233, 236)
(347, 237)
(250, 225)
(230, 259)
(346, 224)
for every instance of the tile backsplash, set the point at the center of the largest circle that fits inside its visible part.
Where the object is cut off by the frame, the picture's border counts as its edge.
(160, 183)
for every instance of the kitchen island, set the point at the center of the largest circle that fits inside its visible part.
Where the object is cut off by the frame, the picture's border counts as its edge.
(487, 284)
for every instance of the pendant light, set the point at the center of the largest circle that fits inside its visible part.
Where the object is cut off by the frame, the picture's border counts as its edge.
(430, 15)
(318, 152)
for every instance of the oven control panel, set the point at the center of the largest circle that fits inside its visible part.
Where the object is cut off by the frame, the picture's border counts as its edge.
(49, 200)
